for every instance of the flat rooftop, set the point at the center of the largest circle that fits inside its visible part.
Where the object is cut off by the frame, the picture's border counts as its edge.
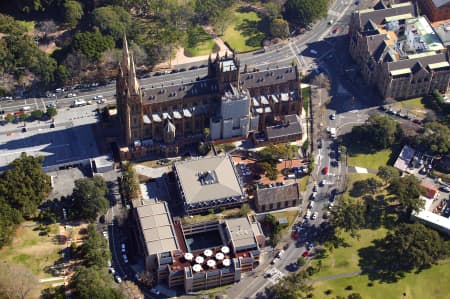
(63, 144)
(241, 232)
(209, 178)
(157, 227)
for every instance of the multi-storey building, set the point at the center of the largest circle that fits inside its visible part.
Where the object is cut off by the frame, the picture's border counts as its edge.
(197, 256)
(398, 52)
(166, 117)
(436, 10)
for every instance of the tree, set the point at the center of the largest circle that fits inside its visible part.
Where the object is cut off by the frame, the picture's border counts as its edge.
(73, 13)
(9, 117)
(130, 290)
(411, 246)
(279, 28)
(304, 12)
(51, 112)
(349, 215)
(16, 281)
(292, 286)
(95, 250)
(367, 186)
(112, 20)
(379, 132)
(25, 185)
(388, 173)
(91, 282)
(407, 191)
(89, 197)
(37, 114)
(245, 209)
(301, 261)
(62, 74)
(92, 44)
(206, 133)
(203, 148)
(435, 138)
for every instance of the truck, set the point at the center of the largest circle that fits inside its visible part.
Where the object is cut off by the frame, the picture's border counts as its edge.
(333, 132)
(79, 103)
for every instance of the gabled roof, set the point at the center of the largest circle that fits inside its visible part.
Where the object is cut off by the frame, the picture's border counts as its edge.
(277, 194)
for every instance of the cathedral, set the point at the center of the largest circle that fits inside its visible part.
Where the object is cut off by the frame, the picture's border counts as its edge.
(233, 104)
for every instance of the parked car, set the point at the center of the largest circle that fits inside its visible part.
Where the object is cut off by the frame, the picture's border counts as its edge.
(117, 279)
(123, 247)
(445, 188)
(125, 258)
(306, 253)
(325, 170)
(155, 291)
(314, 216)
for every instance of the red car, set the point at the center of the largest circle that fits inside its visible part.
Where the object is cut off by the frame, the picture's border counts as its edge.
(325, 170)
(306, 253)
(295, 235)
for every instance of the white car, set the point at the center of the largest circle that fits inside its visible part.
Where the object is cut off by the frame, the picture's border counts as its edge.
(314, 216)
(123, 247)
(98, 97)
(155, 291)
(308, 214)
(117, 279)
(105, 234)
(125, 259)
(112, 271)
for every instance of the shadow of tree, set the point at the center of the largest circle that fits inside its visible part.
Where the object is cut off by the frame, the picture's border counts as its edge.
(248, 27)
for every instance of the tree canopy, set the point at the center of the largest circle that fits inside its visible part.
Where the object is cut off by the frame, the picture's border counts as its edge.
(388, 173)
(407, 191)
(304, 12)
(112, 20)
(95, 250)
(92, 282)
(279, 28)
(92, 44)
(349, 215)
(292, 286)
(435, 138)
(73, 13)
(25, 185)
(411, 246)
(379, 132)
(89, 196)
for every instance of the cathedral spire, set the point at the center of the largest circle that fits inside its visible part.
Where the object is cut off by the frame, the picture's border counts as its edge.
(125, 55)
(132, 80)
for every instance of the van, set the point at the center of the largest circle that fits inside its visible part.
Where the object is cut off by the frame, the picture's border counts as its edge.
(26, 108)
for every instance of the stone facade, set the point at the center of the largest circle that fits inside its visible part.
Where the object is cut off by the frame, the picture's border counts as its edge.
(398, 53)
(165, 118)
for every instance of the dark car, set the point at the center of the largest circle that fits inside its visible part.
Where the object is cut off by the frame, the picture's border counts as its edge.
(182, 70)
(194, 67)
(319, 143)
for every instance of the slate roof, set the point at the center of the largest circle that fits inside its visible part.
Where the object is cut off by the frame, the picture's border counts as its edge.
(290, 127)
(278, 194)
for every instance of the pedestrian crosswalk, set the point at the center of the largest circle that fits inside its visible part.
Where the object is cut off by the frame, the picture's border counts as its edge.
(274, 275)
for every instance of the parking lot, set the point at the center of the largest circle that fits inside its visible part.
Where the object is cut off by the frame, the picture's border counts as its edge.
(71, 138)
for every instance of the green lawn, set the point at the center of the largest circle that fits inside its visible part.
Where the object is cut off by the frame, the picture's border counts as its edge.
(357, 157)
(345, 259)
(303, 182)
(32, 250)
(430, 283)
(306, 93)
(415, 107)
(290, 215)
(246, 30)
(199, 43)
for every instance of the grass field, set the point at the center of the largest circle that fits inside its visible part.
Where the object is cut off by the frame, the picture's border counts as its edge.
(368, 160)
(32, 250)
(290, 215)
(246, 31)
(306, 93)
(200, 43)
(430, 283)
(345, 259)
(303, 182)
(412, 106)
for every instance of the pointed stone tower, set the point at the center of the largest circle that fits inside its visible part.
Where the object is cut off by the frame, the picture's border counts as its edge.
(129, 98)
